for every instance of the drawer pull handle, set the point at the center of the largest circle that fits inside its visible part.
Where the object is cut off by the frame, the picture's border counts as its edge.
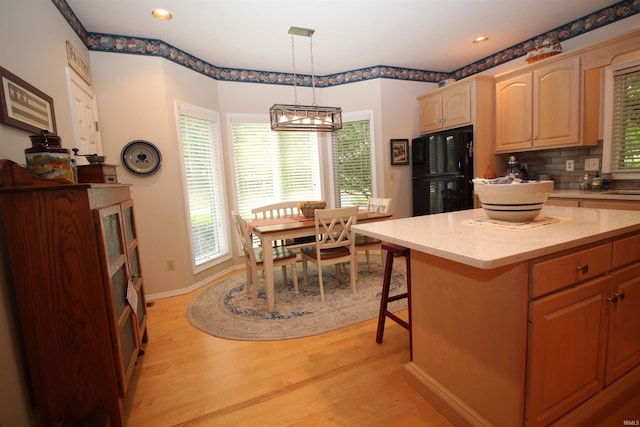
(584, 269)
(615, 297)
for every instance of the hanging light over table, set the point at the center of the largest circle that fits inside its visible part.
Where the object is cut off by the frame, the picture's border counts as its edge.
(309, 118)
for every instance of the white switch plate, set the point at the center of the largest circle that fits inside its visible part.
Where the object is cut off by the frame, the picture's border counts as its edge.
(570, 166)
(592, 164)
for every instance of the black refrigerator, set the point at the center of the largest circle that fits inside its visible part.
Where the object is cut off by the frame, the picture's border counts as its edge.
(442, 171)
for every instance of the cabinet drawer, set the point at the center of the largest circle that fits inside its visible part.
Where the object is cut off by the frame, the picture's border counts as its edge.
(626, 251)
(556, 273)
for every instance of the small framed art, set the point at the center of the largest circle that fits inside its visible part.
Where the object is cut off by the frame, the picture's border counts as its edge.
(399, 151)
(23, 106)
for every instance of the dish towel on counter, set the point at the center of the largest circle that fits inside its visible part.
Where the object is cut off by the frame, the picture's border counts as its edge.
(538, 221)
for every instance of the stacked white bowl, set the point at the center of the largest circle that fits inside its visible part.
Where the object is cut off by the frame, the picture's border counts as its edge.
(512, 199)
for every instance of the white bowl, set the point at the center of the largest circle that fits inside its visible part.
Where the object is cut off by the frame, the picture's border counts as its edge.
(515, 202)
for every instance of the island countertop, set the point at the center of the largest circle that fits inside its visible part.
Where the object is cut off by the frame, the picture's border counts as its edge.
(463, 237)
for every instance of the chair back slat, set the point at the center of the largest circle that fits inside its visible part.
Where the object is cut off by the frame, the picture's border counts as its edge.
(277, 210)
(378, 204)
(333, 227)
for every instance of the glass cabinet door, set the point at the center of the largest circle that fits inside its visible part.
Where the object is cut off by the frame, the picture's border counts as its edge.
(117, 269)
(133, 259)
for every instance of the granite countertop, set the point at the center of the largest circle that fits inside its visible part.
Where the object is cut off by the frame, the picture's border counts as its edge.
(598, 194)
(466, 236)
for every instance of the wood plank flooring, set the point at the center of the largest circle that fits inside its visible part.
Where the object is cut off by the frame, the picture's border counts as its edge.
(189, 378)
(342, 378)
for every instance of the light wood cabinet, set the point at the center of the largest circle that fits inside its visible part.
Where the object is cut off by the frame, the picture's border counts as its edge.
(586, 334)
(469, 101)
(561, 271)
(539, 108)
(445, 108)
(556, 338)
(630, 205)
(566, 353)
(73, 255)
(623, 349)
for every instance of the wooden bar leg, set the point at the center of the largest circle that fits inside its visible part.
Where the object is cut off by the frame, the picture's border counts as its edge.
(386, 283)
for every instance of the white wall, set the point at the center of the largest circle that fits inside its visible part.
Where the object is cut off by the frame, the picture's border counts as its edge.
(136, 97)
(39, 58)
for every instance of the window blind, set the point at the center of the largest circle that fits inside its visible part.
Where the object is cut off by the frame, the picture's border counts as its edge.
(625, 152)
(352, 171)
(204, 182)
(273, 167)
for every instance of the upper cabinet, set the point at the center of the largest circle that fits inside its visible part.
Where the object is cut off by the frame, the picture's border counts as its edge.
(470, 101)
(446, 108)
(540, 107)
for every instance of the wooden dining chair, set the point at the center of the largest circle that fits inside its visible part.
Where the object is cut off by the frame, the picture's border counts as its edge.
(366, 243)
(289, 209)
(335, 243)
(277, 210)
(254, 258)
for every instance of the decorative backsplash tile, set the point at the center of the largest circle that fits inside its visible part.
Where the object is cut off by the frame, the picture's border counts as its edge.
(151, 47)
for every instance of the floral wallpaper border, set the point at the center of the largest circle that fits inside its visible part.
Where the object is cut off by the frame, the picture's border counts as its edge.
(152, 47)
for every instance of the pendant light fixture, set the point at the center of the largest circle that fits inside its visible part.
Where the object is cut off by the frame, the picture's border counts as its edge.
(307, 118)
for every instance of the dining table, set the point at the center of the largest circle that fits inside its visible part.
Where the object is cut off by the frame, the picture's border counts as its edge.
(271, 230)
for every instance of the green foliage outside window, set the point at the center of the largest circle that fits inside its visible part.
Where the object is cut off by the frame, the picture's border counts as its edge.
(352, 164)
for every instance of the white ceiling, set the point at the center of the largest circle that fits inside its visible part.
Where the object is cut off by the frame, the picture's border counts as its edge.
(431, 35)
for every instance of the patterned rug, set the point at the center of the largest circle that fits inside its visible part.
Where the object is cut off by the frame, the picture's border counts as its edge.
(225, 309)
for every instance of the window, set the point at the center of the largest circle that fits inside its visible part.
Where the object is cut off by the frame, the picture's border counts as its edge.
(622, 120)
(204, 183)
(352, 164)
(272, 166)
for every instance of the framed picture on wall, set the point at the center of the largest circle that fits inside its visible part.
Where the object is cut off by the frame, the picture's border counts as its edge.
(23, 106)
(399, 151)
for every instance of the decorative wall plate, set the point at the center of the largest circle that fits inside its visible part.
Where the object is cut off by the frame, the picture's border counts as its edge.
(141, 157)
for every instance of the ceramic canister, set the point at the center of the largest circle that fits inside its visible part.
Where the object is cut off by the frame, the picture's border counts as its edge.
(47, 159)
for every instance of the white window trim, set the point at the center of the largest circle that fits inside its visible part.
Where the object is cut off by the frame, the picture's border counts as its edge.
(354, 117)
(625, 61)
(206, 114)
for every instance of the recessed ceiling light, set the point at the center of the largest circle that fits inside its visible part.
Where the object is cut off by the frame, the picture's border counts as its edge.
(161, 14)
(480, 39)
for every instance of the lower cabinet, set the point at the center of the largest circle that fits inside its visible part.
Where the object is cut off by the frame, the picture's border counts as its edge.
(550, 341)
(582, 336)
(567, 345)
(623, 349)
(594, 203)
(73, 265)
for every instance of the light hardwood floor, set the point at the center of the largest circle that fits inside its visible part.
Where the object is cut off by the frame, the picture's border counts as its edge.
(342, 378)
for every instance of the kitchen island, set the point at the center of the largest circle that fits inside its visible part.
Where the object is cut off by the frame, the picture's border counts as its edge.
(528, 324)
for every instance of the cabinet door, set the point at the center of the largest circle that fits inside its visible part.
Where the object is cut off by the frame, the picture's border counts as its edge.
(623, 352)
(513, 113)
(456, 106)
(133, 260)
(566, 350)
(556, 104)
(430, 113)
(117, 270)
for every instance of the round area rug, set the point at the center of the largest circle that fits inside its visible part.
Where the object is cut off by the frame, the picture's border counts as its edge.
(226, 310)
